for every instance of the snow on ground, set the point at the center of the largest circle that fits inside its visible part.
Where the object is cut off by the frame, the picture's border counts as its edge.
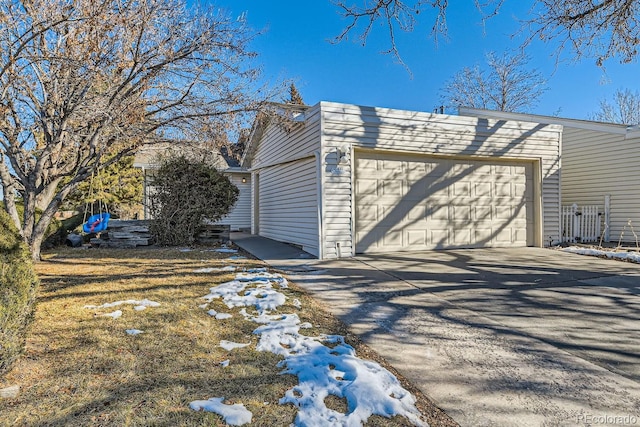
(226, 251)
(213, 269)
(139, 304)
(625, 256)
(219, 316)
(250, 288)
(230, 345)
(234, 415)
(115, 314)
(325, 365)
(133, 331)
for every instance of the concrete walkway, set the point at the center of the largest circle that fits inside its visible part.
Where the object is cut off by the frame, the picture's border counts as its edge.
(495, 337)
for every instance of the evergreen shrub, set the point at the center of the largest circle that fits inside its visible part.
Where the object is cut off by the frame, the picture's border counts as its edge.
(18, 287)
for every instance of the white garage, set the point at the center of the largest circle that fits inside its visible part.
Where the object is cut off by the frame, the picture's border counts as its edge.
(390, 180)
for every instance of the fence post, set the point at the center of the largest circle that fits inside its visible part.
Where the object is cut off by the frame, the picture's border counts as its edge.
(577, 232)
(607, 213)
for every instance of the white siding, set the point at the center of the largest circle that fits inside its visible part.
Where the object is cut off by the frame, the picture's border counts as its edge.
(597, 163)
(288, 203)
(240, 215)
(348, 126)
(280, 145)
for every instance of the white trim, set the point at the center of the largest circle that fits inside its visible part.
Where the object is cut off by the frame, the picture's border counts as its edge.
(524, 117)
(320, 200)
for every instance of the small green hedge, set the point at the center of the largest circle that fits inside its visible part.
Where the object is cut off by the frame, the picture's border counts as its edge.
(18, 286)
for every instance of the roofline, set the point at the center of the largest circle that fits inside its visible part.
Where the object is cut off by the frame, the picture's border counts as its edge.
(576, 123)
(257, 129)
(236, 169)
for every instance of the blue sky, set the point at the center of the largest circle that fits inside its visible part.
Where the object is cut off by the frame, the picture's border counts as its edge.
(296, 45)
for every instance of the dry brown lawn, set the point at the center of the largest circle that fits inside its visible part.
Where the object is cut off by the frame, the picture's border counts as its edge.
(82, 369)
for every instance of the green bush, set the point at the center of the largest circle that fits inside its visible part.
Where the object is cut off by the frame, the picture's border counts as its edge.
(186, 193)
(18, 286)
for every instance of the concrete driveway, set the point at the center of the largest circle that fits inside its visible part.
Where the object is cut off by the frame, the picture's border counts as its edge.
(501, 337)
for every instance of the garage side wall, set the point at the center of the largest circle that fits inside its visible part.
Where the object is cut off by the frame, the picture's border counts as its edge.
(284, 201)
(599, 163)
(348, 127)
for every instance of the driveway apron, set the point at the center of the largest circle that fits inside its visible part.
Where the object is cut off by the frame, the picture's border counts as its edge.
(496, 337)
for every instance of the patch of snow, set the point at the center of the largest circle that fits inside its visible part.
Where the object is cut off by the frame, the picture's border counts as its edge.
(332, 369)
(139, 303)
(204, 306)
(226, 251)
(222, 316)
(134, 331)
(297, 303)
(235, 257)
(224, 363)
(249, 289)
(185, 250)
(325, 365)
(625, 256)
(215, 269)
(219, 316)
(114, 315)
(230, 345)
(233, 415)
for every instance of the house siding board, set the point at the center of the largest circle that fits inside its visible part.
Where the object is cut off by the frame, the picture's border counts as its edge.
(288, 203)
(599, 163)
(280, 146)
(240, 215)
(349, 126)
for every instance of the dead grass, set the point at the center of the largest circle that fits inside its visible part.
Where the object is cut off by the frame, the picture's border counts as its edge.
(83, 369)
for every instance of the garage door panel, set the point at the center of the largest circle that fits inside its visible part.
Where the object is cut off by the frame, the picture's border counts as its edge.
(462, 189)
(482, 189)
(366, 186)
(391, 187)
(367, 213)
(439, 203)
(461, 213)
(417, 238)
(462, 237)
(417, 213)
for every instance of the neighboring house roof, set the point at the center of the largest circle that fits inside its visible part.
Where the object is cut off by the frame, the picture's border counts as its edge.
(575, 123)
(148, 156)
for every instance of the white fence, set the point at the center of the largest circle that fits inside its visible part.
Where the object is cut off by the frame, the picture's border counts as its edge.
(581, 224)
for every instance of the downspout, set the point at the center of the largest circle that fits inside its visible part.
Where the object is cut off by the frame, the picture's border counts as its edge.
(320, 201)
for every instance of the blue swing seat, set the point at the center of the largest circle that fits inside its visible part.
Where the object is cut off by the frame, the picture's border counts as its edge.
(97, 223)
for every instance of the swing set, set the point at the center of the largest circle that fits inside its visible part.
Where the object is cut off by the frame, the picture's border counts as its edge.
(99, 221)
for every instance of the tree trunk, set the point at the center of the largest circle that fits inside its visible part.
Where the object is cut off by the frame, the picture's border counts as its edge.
(35, 245)
(44, 198)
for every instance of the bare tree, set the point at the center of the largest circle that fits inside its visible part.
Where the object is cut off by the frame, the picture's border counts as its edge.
(84, 83)
(599, 29)
(504, 84)
(624, 109)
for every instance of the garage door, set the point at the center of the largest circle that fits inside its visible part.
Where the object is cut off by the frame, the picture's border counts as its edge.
(408, 202)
